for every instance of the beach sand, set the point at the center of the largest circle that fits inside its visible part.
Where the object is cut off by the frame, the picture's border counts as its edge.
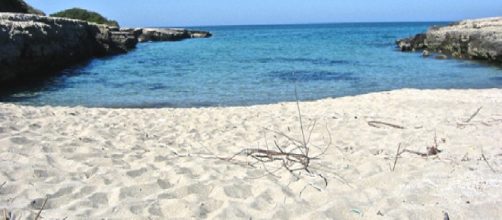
(163, 163)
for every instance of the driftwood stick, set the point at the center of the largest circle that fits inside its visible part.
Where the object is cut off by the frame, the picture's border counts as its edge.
(396, 157)
(41, 209)
(474, 115)
(376, 124)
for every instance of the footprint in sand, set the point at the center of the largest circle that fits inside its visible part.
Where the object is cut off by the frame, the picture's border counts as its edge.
(136, 173)
(155, 210)
(164, 184)
(238, 191)
(99, 199)
(20, 140)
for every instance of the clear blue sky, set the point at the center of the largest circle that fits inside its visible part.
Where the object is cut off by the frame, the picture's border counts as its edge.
(132, 13)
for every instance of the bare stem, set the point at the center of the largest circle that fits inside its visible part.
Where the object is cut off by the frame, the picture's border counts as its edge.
(396, 157)
(301, 122)
(41, 209)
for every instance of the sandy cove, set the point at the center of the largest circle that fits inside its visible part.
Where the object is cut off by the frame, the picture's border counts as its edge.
(161, 163)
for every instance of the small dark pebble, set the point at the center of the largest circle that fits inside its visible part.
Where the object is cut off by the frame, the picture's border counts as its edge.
(468, 202)
(446, 216)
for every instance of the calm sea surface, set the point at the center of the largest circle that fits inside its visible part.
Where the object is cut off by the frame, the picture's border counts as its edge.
(245, 65)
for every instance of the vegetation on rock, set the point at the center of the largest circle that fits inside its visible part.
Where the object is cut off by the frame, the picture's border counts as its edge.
(82, 14)
(18, 6)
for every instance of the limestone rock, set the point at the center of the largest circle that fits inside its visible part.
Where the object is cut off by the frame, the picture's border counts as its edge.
(441, 57)
(35, 45)
(412, 43)
(170, 34)
(468, 39)
(426, 53)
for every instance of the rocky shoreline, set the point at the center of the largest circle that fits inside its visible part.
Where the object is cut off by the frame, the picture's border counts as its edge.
(478, 39)
(34, 46)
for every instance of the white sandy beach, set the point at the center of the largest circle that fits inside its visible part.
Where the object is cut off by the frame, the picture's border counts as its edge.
(161, 163)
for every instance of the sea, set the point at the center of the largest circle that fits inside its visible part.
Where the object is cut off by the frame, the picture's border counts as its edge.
(257, 64)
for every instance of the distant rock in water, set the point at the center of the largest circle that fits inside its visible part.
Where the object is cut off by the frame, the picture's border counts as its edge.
(412, 43)
(33, 46)
(469, 39)
(18, 6)
(170, 34)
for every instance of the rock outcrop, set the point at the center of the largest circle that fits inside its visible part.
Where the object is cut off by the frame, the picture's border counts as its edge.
(169, 34)
(18, 6)
(469, 39)
(33, 46)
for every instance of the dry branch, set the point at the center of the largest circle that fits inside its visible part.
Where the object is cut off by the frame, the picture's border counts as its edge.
(376, 124)
(431, 151)
(291, 161)
(293, 155)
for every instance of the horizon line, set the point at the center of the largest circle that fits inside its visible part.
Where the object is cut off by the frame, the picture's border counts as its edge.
(306, 23)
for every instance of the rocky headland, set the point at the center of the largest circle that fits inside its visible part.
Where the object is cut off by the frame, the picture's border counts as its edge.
(34, 46)
(164, 34)
(479, 39)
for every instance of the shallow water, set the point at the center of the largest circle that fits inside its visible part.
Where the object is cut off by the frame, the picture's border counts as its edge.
(245, 65)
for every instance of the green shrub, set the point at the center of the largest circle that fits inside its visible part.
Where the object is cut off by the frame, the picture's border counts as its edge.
(82, 14)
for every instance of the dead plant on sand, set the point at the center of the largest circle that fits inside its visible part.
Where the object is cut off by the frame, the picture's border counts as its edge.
(291, 154)
(431, 151)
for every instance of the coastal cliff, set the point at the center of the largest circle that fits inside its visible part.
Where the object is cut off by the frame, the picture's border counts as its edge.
(479, 39)
(34, 46)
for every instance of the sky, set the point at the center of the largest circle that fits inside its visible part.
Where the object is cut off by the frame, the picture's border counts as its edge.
(183, 13)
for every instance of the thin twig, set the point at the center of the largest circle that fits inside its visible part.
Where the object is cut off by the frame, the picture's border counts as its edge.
(41, 209)
(415, 152)
(311, 130)
(396, 157)
(325, 180)
(286, 136)
(1, 186)
(376, 123)
(487, 163)
(301, 123)
(474, 115)
(431, 151)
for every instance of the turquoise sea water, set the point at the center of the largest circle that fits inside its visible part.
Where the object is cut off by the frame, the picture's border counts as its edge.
(245, 65)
